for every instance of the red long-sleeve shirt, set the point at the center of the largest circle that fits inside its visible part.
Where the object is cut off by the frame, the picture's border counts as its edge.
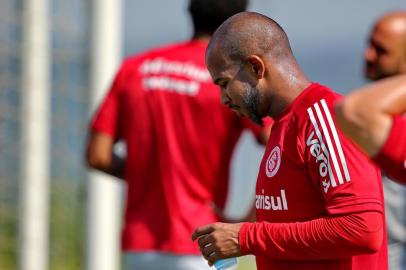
(319, 200)
(334, 238)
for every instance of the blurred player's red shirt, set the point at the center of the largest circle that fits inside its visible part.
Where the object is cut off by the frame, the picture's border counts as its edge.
(179, 143)
(392, 156)
(310, 170)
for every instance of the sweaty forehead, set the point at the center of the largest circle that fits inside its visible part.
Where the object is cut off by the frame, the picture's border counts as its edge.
(217, 62)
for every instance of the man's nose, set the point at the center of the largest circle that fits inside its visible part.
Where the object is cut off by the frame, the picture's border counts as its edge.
(369, 54)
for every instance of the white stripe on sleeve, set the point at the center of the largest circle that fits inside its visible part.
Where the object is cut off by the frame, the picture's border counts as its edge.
(323, 147)
(337, 140)
(329, 143)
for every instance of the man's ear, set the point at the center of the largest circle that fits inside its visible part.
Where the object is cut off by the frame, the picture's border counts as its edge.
(256, 66)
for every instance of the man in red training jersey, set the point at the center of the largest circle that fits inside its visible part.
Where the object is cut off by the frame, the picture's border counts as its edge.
(319, 200)
(179, 141)
(373, 118)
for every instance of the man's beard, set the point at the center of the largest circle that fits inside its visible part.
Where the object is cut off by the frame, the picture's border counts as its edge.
(251, 99)
(379, 73)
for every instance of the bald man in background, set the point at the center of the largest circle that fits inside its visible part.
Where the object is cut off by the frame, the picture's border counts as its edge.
(366, 117)
(319, 201)
(386, 54)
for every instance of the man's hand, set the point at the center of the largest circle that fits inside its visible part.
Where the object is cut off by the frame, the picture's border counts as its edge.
(218, 241)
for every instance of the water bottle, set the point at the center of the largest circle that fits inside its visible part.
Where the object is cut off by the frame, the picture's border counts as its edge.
(226, 264)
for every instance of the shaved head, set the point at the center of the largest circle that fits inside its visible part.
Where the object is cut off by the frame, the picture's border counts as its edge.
(250, 58)
(386, 54)
(394, 22)
(250, 33)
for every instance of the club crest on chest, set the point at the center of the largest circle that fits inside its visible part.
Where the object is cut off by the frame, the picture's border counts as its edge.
(273, 162)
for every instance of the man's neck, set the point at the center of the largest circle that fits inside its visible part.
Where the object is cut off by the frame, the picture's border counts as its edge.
(290, 91)
(200, 36)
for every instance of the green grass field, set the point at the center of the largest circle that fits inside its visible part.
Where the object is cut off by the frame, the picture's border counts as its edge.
(246, 263)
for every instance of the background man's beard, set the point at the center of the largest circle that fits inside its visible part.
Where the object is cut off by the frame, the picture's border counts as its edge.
(251, 100)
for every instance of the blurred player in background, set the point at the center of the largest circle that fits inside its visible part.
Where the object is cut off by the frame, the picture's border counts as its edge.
(179, 141)
(319, 200)
(373, 119)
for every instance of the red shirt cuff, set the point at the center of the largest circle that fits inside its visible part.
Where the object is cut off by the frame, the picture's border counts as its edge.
(242, 238)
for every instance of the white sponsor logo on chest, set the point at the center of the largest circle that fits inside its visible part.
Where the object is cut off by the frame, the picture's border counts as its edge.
(273, 202)
(273, 162)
